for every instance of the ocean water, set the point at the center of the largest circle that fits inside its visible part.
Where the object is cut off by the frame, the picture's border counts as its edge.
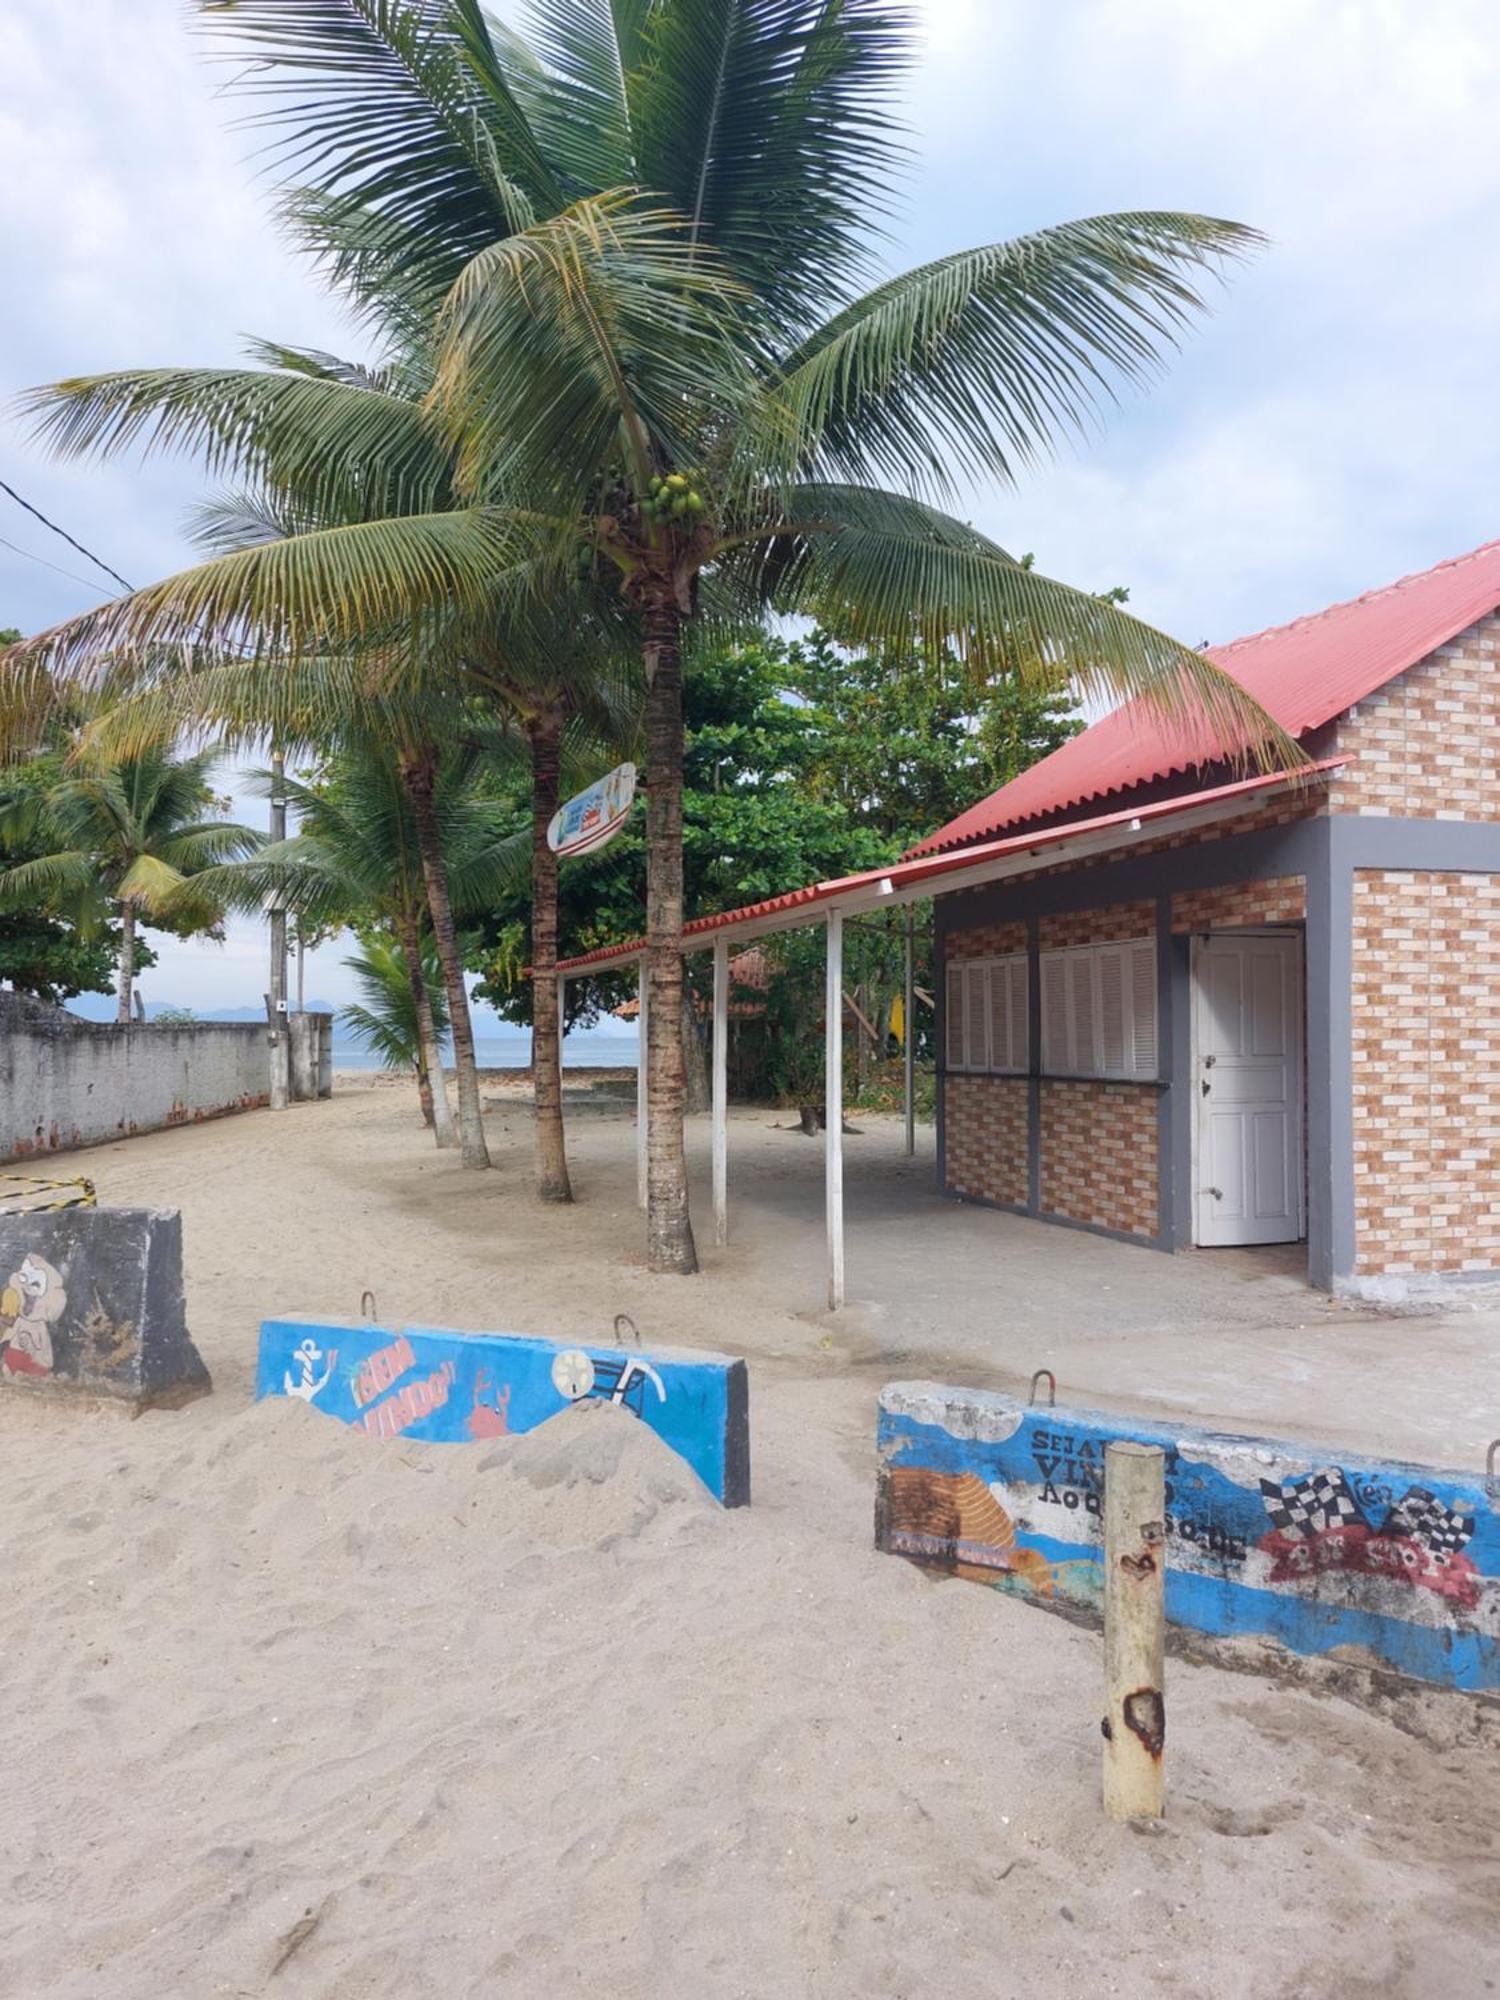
(514, 1052)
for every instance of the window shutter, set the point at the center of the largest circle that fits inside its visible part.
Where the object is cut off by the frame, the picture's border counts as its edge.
(955, 1051)
(1055, 1054)
(1083, 1048)
(976, 1027)
(999, 990)
(1110, 960)
(1143, 1008)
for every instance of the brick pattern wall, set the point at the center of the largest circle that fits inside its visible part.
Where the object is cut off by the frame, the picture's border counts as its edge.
(1283, 900)
(1104, 926)
(984, 1138)
(1428, 745)
(1426, 1072)
(1099, 1159)
(986, 941)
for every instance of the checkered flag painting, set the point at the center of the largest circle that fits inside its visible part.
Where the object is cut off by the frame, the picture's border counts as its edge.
(1316, 1505)
(1423, 1518)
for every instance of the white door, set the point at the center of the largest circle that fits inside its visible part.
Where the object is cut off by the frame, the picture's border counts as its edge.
(1247, 1080)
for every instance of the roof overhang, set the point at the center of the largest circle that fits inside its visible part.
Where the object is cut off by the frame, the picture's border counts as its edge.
(971, 867)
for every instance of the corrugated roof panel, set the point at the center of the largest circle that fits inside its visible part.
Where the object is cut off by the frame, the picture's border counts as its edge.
(1303, 674)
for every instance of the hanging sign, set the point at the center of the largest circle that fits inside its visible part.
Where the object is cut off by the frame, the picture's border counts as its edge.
(595, 816)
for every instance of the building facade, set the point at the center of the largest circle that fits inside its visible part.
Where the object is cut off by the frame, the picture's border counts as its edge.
(1276, 1020)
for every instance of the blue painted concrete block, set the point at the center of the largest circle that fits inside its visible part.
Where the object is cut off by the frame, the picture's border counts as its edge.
(446, 1387)
(1314, 1548)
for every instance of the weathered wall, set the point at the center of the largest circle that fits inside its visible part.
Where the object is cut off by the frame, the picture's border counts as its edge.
(1099, 1154)
(1241, 905)
(448, 1387)
(1426, 1026)
(91, 1299)
(66, 1082)
(1398, 1565)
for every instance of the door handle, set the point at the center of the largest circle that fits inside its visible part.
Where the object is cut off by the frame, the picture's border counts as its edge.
(1205, 1086)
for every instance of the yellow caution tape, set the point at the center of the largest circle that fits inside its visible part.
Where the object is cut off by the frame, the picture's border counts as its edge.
(28, 1186)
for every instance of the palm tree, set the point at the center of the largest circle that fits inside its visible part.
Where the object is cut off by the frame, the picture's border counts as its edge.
(389, 1020)
(687, 389)
(357, 856)
(139, 831)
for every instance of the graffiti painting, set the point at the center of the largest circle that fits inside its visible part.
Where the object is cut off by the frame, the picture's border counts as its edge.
(1318, 1523)
(32, 1302)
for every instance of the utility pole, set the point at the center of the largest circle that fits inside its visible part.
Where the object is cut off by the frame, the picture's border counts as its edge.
(280, 1033)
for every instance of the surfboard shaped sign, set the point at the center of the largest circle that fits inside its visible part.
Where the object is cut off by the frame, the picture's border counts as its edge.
(595, 815)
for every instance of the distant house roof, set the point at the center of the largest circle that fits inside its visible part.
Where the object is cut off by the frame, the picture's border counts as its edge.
(1304, 674)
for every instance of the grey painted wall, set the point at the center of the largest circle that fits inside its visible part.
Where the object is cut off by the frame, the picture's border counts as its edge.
(66, 1083)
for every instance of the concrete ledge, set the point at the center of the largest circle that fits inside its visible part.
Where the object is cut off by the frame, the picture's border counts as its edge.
(447, 1387)
(91, 1300)
(1325, 1553)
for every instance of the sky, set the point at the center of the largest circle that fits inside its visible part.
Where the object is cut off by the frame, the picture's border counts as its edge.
(1332, 426)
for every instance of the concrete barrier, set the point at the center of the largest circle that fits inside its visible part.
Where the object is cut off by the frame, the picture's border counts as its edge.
(91, 1299)
(447, 1387)
(1316, 1549)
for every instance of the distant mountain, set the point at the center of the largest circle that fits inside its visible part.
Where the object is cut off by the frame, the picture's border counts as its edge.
(101, 1007)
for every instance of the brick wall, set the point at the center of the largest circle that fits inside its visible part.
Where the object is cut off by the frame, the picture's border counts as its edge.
(1426, 1072)
(986, 941)
(1099, 1159)
(1427, 746)
(984, 1138)
(1110, 925)
(1283, 900)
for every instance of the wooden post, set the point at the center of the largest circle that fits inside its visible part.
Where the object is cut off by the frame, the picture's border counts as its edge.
(909, 1038)
(721, 1090)
(643, 983)
(833, 1108)
(1135, 1719)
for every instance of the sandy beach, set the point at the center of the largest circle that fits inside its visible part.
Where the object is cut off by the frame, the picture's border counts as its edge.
(287, 1711)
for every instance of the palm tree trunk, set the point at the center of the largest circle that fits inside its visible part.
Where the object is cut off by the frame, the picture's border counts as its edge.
(432, 1085)
(669, 1229)
(418, 772)
(552, 1183)
(125, 977)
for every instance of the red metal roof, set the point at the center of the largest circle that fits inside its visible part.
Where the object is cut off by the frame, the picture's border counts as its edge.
(917, 871)
(1303, 674)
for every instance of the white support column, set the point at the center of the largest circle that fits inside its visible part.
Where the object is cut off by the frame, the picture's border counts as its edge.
(833, 1128)
(909, 1038)
(643, 979)
(721, 1090)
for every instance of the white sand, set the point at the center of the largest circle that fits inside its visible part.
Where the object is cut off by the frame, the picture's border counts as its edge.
(537, 1718)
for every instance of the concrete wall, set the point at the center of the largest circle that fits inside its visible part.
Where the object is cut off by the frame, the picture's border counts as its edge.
(67, 1083)
(1389, 1565)
(91, 1299)
(453, 1388)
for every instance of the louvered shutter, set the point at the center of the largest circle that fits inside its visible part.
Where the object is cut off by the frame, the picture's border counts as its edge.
(999, 999)
(955, 1051)
(1084, 1056)
(976, 1026)
(1056, 1054)
(1110, 967)
(1143, 1050)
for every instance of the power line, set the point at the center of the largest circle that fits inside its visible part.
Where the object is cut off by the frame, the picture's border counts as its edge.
(16, 549)
(88, 553)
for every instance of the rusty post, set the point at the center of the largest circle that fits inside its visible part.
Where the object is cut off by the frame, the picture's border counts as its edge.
(1135, 1723)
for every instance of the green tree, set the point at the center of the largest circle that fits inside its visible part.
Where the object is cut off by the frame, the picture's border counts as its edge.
(396, 1016)
(684, 388)
(137, 831)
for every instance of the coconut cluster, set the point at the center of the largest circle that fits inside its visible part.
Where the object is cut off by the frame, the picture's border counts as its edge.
(672, 497)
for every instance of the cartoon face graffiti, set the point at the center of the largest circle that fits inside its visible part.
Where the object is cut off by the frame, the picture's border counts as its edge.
(30, 1306)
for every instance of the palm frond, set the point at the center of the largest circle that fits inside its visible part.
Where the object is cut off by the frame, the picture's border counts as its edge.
(769, 124)
(976, 365)
(344, 450)
(573, 74)
(575, 343)
(393, 109)
(881, 569)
